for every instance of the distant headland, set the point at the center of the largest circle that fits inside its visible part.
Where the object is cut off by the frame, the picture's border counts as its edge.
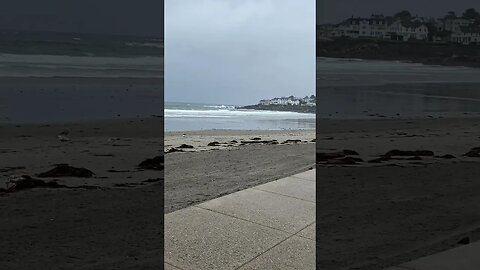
(291, 104)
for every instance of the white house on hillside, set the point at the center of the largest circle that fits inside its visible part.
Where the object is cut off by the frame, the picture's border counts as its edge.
(375, 27)
(408, 30)
(466, 35)
(380, 27)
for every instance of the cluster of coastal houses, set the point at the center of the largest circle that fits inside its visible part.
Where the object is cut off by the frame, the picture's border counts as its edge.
(291, 100)
(448, 29)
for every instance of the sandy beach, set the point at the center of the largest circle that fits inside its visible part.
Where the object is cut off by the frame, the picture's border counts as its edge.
(254, 157)
(110, 220)
(397, 209)
(376, 214)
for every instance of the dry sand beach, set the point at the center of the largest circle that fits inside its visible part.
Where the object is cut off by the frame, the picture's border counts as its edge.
(235, 160)
(403, 206)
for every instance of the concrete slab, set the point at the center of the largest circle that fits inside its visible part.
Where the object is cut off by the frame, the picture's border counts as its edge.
(276, 211)
(461, 258)
(294, 253)
(308, 232)
(308, 175)
(291, 186)
(197, 239)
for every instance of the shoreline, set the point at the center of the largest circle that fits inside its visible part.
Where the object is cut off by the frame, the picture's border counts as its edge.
(418, 52)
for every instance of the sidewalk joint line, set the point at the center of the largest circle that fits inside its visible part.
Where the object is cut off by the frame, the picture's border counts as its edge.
(276, 193)
(297, 233)
(253, 222)
(251, 260)
(174, 265)
(299, 178)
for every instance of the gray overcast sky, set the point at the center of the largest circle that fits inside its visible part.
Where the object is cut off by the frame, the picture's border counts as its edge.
(335, 11)
(140, 17)
(238, 51)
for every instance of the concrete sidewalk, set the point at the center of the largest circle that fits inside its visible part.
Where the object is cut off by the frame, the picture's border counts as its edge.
(461, 258)
(270, 226)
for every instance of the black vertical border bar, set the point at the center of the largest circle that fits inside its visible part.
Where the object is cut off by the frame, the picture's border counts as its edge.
(162, 139)
(318, 11)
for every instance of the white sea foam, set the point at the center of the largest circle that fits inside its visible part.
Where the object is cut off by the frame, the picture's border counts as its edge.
(222, 113)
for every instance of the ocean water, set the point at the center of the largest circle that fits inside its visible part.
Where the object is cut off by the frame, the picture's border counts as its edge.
(61, 77)
(352, 88)
(75, 44)
(193, 116)
(47, 54)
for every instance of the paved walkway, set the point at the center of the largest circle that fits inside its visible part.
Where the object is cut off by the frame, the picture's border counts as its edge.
(271, 226)
(461, 258)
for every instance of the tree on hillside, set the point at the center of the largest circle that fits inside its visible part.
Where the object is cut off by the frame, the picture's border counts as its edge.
(471, 14)
(403, 15)
(451, 15)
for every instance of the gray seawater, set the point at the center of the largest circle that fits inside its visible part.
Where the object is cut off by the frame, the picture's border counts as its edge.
(352, 88)
(60, 77)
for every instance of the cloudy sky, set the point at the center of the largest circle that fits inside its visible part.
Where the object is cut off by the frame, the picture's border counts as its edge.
(238, 51)
(334, 11)
(140, 17)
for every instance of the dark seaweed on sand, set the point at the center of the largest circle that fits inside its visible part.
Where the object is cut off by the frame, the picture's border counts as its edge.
(155, 163)
(65, 170)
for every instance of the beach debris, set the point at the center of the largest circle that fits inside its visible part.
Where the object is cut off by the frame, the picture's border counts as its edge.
(313, 140)
(408, 155)
(447, 156)
(62, 136)
(379, 160)
(338, 158)
(292, 141)
(27, 182)
(153, 180)
(214, 144)
(327, 156)
(256, 139)
(348, 152)
(344, 161)
(112, 139)
(65, 170)
(103, 155)
(127, 185)
(155, 163)
(172, 150)
(186, 146)
(464, 241)
(260, 142)
(474, 152)
(118, 171)
(233, 141)
(9, 169)
(397, 152)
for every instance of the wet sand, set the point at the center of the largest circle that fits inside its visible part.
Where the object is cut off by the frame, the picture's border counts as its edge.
(374, 215)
